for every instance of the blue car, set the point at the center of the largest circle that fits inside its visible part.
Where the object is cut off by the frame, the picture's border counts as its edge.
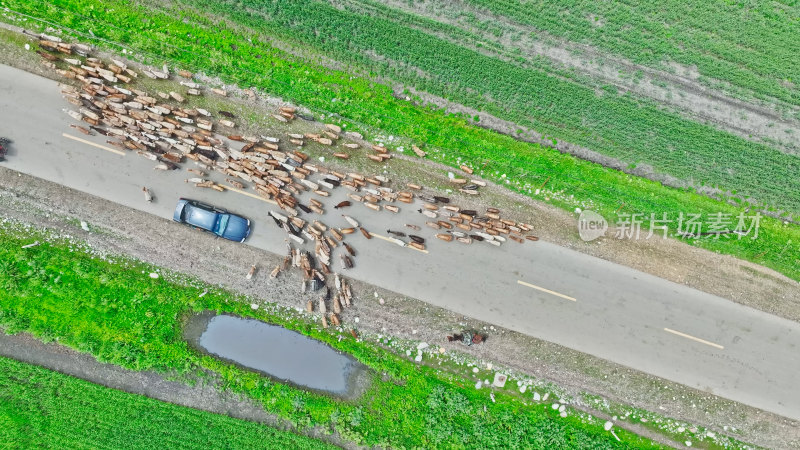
(208, 218)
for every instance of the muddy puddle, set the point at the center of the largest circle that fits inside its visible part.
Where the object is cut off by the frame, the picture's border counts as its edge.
(283, 355)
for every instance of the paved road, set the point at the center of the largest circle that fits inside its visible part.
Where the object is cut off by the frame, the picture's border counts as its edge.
(590, 305)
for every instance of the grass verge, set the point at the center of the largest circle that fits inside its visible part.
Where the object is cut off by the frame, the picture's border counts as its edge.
(115, 311)
(43, 408)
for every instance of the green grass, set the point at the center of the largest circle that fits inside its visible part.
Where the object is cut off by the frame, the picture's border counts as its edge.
(117, 313)
(745, 44)
(40, 408)
(192, 41)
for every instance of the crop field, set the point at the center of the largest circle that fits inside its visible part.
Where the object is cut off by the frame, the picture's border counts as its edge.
(193, 41)
(633, 130)
(747, 45)
(114, 311)
(40, 408)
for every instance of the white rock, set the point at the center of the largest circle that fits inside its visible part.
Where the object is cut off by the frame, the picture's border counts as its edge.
(356, 320)
(688, 443)
(422, 345)
(474, 370)
(499, 380)
(441, 350)
(451, 175)
(491, 396)
(711, 434)
(536, 397)
(153, 275)
(408, 352)
(546, 394)
(562, 408)
(253, 305)
(418, 358)
(321, 159)
(489, 366)
(523, 388)
(563, 414)
(479, 384)
(556, 406)
(85, 226)
(681, 429)
(607, 426)
(27, 46)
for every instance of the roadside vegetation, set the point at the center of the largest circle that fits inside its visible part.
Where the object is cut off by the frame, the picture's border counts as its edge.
(113, 310)
(192, 41)
(40, 408)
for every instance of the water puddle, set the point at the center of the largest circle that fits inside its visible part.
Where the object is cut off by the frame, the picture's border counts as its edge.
(282, 354)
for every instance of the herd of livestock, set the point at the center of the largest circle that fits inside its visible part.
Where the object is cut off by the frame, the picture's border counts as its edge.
(160, 128)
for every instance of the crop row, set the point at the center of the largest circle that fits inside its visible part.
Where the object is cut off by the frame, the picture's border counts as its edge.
(41, 408)
(199, 43)
(748, 45)
(113, 311)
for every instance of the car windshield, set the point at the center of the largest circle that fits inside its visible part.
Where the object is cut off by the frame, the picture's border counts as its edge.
(222, 223)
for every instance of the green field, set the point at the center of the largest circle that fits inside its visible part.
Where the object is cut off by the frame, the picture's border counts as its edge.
(40, 408)
(748, 45)
(194, 42)
(634, 130)
(115, 312)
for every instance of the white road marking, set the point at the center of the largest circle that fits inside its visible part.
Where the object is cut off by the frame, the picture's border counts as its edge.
(557, 294)
(108, 149)
(702, 341)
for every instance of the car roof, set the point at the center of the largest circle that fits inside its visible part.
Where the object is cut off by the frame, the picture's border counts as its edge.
(199, 217)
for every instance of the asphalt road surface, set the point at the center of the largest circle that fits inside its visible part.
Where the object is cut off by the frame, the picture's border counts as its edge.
(536, 288)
